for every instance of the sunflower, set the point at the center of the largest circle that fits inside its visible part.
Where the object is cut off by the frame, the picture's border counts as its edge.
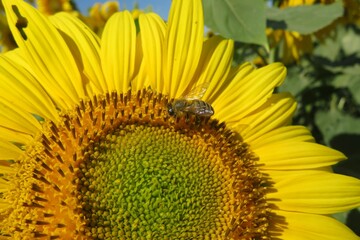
(99, 14)
(293, 45)
(50, 7)
(6, 40)
(89, 149)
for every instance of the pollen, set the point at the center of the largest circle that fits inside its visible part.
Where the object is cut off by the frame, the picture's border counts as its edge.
(118, 166)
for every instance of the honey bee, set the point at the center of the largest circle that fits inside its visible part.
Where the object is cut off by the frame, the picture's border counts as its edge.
(191, 103)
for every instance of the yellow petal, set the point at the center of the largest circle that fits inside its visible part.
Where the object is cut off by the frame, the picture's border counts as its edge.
(5, 170)
(9, 151)
(296, 155)
(85, 47)
(153, 30)
(17, 120)
(183, 45)
(214, 65)
(300, 226)
(46, 51)
(277, 112)
(118, 51)
(216, 92)
(4, 205)
(283, 134)
(21, 88)
(15, 136)
(314, 191)
(142, 79)
(248, 91)
(3, 184)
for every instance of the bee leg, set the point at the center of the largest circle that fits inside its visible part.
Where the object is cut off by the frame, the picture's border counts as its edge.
(197, 120)
(177, 119)
(187, 118)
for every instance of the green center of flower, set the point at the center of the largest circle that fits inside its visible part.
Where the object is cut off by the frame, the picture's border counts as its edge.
(144, 181)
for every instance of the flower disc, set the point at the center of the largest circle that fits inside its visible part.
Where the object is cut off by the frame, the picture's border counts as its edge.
(144, 174)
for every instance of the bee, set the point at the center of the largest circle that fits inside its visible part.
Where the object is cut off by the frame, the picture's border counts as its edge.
(191, 103)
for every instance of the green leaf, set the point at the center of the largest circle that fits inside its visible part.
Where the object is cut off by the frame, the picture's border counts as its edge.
(332, 123)
(351, 42)
(340, 54)
(304, 19)
(349, 81)
(341, 217)
(342, 132)
(297, 80)
(241, 20)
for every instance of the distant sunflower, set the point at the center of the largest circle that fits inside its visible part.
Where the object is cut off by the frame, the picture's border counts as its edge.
(99, 14)
(50, 7)
(89, 150)
(6, 39)
(293, 45)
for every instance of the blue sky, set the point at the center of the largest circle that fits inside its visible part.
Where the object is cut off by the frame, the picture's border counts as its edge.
(160, 7)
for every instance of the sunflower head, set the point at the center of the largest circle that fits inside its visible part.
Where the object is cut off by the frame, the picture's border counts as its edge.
(50, 7)
(117, 138)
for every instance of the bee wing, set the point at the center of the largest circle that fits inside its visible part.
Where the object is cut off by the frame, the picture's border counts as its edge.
(197, 108)
(197, 92)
